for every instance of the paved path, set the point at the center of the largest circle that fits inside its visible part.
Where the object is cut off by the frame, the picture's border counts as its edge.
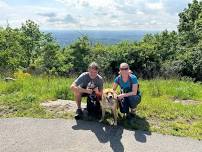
(59, 135)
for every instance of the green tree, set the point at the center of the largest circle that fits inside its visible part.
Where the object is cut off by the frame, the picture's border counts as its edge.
(31, 41)
(79, 51)
(12, 55)
(188, 24)
(50, 58)
(166, 45)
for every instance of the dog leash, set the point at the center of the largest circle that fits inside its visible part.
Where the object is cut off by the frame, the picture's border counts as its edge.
(120, 101)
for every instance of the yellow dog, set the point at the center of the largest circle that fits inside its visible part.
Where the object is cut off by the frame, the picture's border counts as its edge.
(109, 101)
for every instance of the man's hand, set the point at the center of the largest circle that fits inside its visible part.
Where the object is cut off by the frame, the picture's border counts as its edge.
(98, 93)
(96, 90)
(89, 91)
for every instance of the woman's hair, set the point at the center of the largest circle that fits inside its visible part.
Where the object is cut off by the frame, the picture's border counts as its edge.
(124, 65)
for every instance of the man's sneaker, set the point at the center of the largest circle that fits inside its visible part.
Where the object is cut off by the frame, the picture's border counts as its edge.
(79, 111)
(79, 114)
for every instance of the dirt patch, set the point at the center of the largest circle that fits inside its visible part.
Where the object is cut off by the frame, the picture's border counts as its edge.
(187, 102)
(6, 110)
(61, 106)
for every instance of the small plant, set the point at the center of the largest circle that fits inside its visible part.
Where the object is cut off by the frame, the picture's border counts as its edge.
(13, 87)
(155, 92)
(29, 98)
(185, 92)
(63, 93)
(21, 75)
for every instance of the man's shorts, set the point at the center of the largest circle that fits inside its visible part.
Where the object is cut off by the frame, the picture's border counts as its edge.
(84, 94)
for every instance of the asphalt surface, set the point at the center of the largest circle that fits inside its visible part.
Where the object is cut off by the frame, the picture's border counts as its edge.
(59, 135)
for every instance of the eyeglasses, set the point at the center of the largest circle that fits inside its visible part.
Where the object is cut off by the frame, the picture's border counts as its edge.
(123, 69)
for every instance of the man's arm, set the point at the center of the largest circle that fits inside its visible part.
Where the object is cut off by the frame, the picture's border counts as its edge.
(76, 88)
(99, 89)
(98, 92)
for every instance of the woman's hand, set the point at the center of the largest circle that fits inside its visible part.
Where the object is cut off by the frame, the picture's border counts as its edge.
(121, 96)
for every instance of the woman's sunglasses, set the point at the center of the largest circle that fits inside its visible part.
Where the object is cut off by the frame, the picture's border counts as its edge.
(123, 69)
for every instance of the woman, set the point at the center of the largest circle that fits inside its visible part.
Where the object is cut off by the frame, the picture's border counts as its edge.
(130, 96)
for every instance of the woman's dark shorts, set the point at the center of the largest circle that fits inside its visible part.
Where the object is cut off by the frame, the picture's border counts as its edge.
(129, 102)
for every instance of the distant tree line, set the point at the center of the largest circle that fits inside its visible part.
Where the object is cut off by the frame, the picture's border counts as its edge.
(166, 54)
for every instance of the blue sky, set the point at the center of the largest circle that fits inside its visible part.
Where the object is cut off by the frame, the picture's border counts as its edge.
(94, 14)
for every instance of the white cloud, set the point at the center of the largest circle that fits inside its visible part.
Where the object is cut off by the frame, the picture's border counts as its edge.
(88, 3)
(139, 13)
(16, 15)
(3, 4)
(155, 6)
(47, 14)
(97, 14)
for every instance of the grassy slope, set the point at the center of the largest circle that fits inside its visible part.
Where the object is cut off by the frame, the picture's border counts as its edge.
(157, 111)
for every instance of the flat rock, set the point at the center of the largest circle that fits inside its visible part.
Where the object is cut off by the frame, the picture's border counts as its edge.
(187, 102)
(61, 105)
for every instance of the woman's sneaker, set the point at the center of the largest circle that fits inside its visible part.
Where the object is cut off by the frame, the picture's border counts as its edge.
(130, 115)
(79, 114)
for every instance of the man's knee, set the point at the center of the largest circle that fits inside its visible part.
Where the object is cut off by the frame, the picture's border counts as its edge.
(78, 96)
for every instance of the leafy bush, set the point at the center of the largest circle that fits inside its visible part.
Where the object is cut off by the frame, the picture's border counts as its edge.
(167, 54)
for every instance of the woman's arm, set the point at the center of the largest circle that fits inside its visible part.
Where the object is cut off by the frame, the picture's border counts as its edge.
(134, 91)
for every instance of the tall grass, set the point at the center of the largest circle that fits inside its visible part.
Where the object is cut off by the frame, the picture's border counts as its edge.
(24, 95)
(157, 108)
(172, 88)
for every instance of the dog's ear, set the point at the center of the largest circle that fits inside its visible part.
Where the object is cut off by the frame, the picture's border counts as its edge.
(105, 90)
(104, 94)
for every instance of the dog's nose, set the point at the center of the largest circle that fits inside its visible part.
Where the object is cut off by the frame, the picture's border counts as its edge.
(110, 97)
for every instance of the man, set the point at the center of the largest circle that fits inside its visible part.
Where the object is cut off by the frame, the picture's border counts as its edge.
(86, 84)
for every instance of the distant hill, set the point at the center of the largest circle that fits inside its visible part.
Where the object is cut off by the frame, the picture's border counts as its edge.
(65, 37)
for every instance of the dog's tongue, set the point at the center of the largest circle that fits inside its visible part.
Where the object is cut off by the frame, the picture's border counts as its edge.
(110, 100)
